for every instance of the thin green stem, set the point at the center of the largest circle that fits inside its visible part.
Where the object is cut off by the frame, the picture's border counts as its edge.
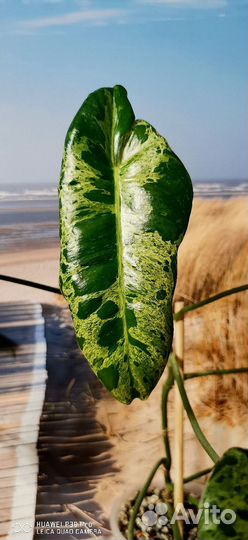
(179, 315)
(175, 528)
(191, 415)
(28, 283)
(140, 497)
(195, 374)
(197, 475)
(164, 412)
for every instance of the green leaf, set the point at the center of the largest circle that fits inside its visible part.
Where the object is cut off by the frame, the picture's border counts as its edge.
(227, 488)
(125, 201)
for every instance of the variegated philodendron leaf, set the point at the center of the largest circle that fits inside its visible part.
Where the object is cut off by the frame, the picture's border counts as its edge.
(125, 201)
(227, 488)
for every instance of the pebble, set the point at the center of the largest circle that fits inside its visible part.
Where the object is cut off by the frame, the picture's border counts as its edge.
(154, 499)
(158, 531)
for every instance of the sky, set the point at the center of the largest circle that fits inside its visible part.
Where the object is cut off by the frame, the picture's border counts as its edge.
(183, 62)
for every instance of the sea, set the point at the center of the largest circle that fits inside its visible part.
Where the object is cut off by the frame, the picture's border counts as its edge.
(29, 214)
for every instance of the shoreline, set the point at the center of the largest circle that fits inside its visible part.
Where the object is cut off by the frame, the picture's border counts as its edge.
(216, 222)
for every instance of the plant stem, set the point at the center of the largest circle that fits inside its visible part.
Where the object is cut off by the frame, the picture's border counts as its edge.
(197, 475)
(179, 315)
(140, 497)
(164, 412)
(194, 423)
(195, 374)
(175, 527)
(30, 284)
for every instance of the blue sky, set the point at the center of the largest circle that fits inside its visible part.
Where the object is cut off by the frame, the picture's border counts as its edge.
(183, 62)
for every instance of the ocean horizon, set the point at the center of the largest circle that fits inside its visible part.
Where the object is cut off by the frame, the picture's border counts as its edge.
(30, 191)
(29, 214)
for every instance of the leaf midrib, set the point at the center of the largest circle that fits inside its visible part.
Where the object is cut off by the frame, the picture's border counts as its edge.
(121, 276)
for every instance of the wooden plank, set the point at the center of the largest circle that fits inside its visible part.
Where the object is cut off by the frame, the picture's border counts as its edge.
(22, 387)
(74, 450)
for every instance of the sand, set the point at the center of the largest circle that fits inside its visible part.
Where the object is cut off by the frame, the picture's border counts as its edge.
(40, 265)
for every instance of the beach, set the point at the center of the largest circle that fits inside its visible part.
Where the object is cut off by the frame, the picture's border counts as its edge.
(212, 257)
(40, 265)
(111, 288)
(29, 240)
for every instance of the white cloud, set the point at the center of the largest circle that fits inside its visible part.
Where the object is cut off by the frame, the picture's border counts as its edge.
(198, 4)
(94, 16)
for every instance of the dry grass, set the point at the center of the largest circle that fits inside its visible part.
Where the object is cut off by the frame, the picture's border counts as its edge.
(214, 254)
(214, 257)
